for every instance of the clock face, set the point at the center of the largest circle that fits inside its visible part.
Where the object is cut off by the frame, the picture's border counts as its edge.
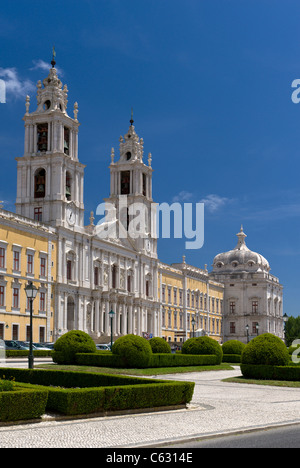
(70, 216)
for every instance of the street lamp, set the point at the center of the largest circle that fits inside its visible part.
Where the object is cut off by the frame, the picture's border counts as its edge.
(257, 328)
(111, 314)
(193, 325)
(31, 292)
(247, 330)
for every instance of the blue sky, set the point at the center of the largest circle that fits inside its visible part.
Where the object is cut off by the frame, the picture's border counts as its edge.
(210, 85)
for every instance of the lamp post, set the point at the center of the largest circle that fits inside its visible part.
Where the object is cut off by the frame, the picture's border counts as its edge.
(247, 330)
(31, 292)
(193, 325)
(111, 315)
(257, 328)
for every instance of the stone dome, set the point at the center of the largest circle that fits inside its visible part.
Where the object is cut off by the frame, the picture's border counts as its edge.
(240, 259)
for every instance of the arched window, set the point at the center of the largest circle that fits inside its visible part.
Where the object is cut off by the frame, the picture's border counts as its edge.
(68, 186)
(40, 183)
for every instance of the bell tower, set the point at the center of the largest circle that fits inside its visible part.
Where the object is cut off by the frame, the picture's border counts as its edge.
(50, 176)
(131, 191)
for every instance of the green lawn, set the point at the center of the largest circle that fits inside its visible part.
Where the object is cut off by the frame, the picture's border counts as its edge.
(272, 383)
(140, 372)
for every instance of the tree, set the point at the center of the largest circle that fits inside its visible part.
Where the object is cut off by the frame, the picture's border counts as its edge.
(292, 330)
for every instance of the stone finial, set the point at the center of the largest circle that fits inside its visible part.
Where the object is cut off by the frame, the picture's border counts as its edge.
(149, 159)
(27, 105)
(112, 155)
(75, 110)
(92, 218)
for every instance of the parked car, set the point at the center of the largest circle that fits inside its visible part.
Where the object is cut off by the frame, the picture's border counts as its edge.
(26, 344)
(42, 346)
(103, 347)
(14, 345)
(49, 345)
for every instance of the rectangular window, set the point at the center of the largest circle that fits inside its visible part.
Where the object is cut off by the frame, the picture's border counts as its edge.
(232, 327)
(16, 261)
(2, 257)
(254, 307)
(42, 301)
(144, 185)
(16, 298)
(1, 331)
(125, 182)
(66, 140)
(42, 137)
(69, 270)
(30, 264)
(43, 267)
(38, 214)
(147, 288)
(232, 307)
(175, 296)
(96, 276)
(129, 283)
(169, 295)
(15, 332)
(163, 294)
(2, 296)
(42, 335)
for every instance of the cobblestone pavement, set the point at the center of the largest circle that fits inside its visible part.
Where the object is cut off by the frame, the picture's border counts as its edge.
(217, 408)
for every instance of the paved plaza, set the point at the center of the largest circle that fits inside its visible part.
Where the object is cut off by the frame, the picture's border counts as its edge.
(217, 408)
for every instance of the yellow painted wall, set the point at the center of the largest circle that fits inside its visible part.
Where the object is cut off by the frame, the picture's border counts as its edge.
(211, 321)
(21, 237)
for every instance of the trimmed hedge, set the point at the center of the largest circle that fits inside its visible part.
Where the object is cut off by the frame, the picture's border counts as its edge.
(159, 345)
(22, 404)
(156, 360)
(103, 392)
(72, 342)
(25, 353)
(266, 349)
(264, 372)
(231, 358)
(203, 345)
(135, 351)
(233, 347)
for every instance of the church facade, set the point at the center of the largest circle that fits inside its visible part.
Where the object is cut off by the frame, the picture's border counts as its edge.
(113, 266)
(98, 269)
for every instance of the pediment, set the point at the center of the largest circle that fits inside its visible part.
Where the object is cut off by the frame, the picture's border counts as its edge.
(115, 233)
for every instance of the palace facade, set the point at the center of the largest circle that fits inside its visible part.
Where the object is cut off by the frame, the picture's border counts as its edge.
(84, 272)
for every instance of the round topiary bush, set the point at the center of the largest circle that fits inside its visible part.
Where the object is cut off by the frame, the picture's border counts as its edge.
(203, 345)
(135, 351)
(233, 347)
(159, 345)
(266, 349)
(72, 342)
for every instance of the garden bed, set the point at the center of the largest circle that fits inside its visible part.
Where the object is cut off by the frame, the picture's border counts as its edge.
(75, 393)
(107, 359)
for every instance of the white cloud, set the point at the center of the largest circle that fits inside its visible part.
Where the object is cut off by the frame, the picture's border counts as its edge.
(183, 196)
(213, 202)
(14, 85)
(42, 65)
